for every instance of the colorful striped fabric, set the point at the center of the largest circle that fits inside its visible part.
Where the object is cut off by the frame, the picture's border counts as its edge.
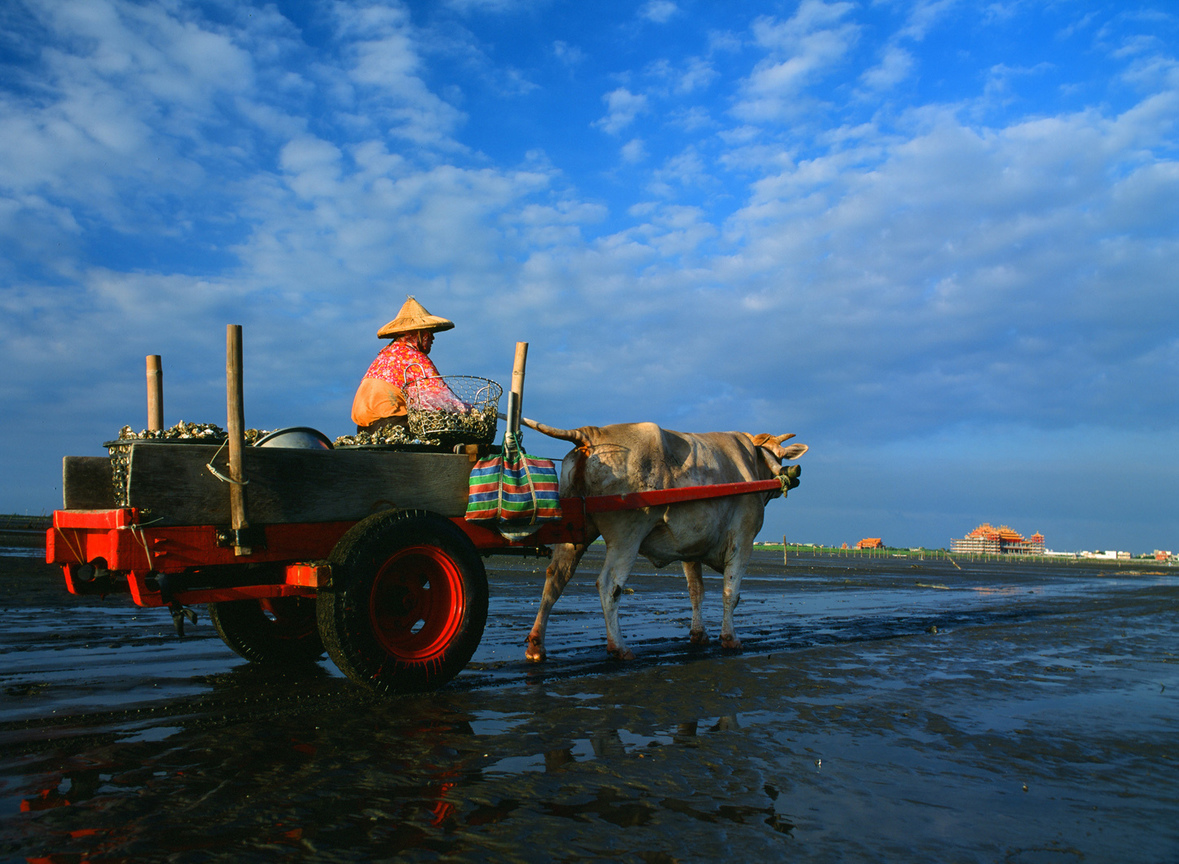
(513, 489)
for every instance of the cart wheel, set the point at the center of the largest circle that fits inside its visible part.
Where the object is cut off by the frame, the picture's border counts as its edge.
(407, 604)
(275, 631)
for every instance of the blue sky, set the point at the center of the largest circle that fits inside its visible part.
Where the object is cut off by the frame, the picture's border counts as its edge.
(937, 240)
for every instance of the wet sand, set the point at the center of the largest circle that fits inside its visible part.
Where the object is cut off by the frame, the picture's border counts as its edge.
(882, 710)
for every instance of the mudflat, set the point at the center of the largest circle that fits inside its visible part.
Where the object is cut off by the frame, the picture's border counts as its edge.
(881, 710)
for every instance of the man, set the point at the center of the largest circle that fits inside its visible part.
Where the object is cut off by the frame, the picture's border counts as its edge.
(380, 398)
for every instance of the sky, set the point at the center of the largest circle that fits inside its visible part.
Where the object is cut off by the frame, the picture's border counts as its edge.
(937, 240)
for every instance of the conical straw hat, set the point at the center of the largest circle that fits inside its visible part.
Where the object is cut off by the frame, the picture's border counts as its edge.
(413, 316)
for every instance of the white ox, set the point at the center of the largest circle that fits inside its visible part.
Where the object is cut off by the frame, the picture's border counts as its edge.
(719, 532)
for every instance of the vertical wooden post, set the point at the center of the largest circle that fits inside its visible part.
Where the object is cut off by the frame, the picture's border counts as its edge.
(516, 395)
(155, 393)
(235, 427)
(784, 550)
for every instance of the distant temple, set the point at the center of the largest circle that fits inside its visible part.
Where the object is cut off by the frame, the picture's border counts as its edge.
(870, 543)
(998, 541)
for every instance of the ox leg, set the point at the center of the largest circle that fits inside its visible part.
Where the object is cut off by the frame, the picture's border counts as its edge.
(611, 581)
(566, 557)
(697, 635)
(734, 570)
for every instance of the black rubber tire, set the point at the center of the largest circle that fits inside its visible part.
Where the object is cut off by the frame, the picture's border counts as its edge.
(407, 603)
(281, 631)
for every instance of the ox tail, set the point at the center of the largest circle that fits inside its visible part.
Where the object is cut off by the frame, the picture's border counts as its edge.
(576, 436)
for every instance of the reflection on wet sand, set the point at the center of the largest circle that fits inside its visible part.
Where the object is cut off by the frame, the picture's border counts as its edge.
(1029, 727)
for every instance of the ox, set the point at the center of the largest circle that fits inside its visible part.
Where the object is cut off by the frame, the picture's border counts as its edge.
(719, 532)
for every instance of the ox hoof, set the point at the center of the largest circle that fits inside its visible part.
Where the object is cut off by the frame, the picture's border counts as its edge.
(535, 652)
(624, 654)
(698, 637)
(731, 643)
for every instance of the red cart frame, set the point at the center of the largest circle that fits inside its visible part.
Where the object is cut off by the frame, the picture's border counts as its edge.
(124, 543)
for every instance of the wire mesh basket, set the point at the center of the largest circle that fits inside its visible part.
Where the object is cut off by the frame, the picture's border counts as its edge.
(455, 409)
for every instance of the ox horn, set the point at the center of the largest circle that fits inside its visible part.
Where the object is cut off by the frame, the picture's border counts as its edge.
(780, 438)
(575, 435)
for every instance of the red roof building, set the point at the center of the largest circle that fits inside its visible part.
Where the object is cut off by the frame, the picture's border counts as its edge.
(998, 541)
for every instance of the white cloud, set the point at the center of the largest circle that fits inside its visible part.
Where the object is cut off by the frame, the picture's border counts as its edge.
(633, 151)
(690, 119)
(568, 54)
(622, 109)
(312, 166)
(924, 15)
(699, 74)
(139, 88)
(385, 64)
(894, 67)
(694, 74)
(495, 6)
(724, 42)
(658, 11)
(958, 261)
(685, 170)
(799, 51)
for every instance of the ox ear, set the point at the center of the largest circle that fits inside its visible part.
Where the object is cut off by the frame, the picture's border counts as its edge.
(794, 450)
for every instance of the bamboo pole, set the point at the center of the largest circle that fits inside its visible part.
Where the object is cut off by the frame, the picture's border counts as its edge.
(235, 427)
(155, 392)
(516, 395)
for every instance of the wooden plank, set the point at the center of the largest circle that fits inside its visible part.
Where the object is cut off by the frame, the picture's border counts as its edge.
(86, 483)
(288, 485)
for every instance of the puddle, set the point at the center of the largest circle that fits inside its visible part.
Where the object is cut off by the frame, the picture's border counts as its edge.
(22, 552)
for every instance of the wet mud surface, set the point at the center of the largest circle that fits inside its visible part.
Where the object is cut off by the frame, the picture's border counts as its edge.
(882, 710)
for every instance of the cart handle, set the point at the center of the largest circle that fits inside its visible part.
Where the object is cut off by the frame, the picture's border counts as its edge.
(659, 497)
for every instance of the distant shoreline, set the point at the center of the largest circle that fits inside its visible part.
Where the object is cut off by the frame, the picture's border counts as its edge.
(28, 532)
(24, 532)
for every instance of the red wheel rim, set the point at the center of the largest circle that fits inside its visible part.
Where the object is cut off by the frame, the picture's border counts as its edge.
(417, 603)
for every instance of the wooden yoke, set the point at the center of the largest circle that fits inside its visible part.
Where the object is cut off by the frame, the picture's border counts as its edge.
(235, 428)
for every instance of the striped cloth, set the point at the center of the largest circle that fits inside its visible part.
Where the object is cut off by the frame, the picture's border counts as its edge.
(514, 490)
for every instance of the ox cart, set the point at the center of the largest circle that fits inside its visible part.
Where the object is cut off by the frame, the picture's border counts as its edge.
(362, 551)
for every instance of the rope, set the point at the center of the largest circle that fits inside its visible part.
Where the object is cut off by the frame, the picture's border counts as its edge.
(218, 474)
(77, 552)
(137, 533)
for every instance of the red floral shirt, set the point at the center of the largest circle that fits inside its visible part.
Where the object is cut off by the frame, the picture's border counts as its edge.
(400, 363)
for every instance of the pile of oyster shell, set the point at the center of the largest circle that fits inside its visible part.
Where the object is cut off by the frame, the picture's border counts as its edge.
(389, 436)
(476, 426)
(120, 449)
